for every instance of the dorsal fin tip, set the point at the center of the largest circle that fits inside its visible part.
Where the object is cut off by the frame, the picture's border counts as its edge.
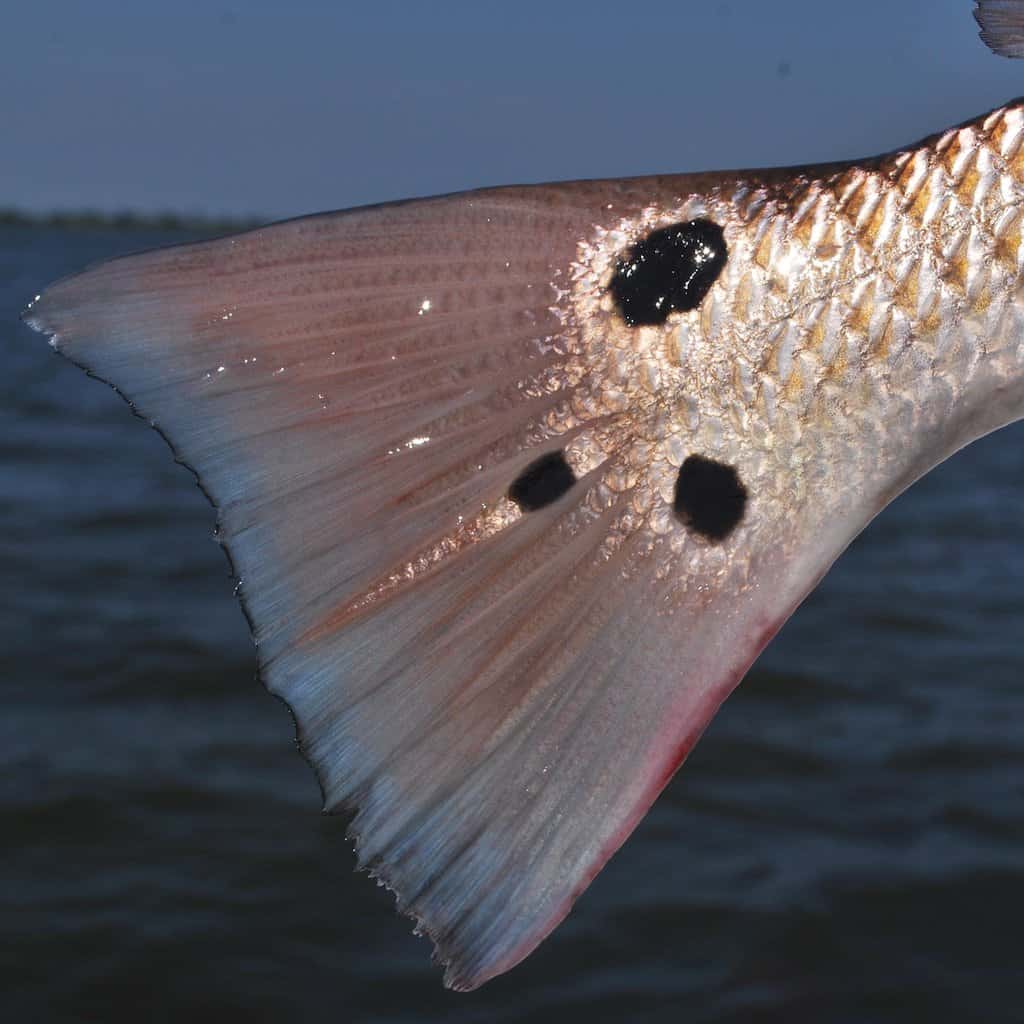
(1002, 26)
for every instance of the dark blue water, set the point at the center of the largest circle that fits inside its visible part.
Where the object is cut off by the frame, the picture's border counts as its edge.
(846, 844)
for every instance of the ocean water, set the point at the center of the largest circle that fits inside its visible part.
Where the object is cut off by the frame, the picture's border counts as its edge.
(845, 844)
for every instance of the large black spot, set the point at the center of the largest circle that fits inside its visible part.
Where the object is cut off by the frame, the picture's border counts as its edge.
(670, 270)
(710, 497)
(543, 481)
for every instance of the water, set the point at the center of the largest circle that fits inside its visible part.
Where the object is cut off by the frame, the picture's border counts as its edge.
(846, 844)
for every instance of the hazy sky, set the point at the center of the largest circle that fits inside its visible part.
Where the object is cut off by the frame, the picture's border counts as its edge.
(280, 108)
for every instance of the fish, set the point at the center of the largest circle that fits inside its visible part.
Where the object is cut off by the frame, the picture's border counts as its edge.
(517, 483)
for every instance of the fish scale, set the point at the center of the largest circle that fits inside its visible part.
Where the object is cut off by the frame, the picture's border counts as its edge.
(851, 303)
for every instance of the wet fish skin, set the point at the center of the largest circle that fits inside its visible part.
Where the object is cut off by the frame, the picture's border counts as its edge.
(500, 693)
(868, 324)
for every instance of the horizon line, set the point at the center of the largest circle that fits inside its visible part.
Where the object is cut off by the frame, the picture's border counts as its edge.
(166, 220)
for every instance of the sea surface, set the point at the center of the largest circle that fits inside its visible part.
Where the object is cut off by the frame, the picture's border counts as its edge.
(845, 845)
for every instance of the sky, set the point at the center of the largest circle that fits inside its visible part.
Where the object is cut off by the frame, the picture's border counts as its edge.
(276, 109)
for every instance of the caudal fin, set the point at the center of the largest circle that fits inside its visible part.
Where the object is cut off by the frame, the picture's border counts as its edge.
(428, 491)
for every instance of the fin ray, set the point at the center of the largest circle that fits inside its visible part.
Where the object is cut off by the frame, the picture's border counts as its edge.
(1002, 26)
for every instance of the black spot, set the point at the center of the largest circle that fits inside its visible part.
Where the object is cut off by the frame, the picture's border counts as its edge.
(670, 270)
(543, 481)
(710, 497)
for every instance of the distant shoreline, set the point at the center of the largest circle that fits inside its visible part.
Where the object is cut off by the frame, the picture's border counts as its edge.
(127, 221)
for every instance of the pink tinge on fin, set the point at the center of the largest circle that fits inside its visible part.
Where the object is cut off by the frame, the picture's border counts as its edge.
(497, 694)
(668, 754)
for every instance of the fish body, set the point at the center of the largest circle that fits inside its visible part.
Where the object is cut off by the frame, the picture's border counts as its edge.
(517, 483)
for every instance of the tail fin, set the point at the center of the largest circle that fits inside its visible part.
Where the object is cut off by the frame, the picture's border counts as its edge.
(1002, 26)
(498, 688)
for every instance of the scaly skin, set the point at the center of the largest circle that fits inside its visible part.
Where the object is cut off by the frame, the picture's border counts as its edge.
(868, 323)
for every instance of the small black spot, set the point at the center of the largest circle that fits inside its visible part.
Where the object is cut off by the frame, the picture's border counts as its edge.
(670, 270)
(710, 497)
(543, 481)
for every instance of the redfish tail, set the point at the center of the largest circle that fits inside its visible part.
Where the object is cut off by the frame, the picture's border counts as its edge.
(435, 537)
